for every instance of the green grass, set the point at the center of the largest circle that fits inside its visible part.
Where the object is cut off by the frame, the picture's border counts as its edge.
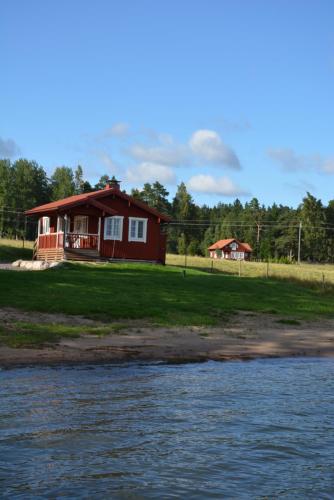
(157, 293)
(11, 250)
(310, 274)
(23, 334)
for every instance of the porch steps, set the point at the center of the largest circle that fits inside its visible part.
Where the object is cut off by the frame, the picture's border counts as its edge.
(83, 254)
(49, 254)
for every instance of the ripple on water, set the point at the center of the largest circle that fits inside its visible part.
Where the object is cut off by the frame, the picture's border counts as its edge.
(243, 430)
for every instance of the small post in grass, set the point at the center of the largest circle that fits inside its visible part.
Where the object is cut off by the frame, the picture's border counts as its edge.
(323, 281)
(267, 269)
(211, 266)
(239, 268)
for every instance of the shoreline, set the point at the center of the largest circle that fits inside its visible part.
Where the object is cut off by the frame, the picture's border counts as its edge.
(245, 336)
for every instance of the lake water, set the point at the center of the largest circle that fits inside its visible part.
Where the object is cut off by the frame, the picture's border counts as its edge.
(259, 429)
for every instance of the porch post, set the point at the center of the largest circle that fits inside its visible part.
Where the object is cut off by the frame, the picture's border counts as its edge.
(65, 230)
(99, 235)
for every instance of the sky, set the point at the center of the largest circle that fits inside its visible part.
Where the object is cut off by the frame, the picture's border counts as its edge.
(234, 98)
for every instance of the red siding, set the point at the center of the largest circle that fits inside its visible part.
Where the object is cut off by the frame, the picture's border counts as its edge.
(155, 241)
(153, 250)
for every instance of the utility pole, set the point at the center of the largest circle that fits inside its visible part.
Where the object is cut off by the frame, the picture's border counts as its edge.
(299, 240)
(258, 240)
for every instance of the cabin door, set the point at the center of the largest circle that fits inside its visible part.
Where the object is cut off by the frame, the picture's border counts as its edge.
(80, 229)
(80, 224)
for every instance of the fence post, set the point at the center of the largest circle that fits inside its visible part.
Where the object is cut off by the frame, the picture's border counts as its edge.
(323, 281)
(239, 268)
(267, 270)
(211, 266)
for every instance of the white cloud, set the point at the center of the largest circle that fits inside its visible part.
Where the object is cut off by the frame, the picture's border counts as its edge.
(150, 172)
(290, 161)
(8, 148)
(208, 146)
(167, 154)
(204, 146)
(301, 186)
(106, 159)
(211, 185)
(328, 166)
(119, 129)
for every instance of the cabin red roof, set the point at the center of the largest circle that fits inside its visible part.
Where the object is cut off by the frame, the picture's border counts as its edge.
(220, 244)
(247, 247)
(79, 199)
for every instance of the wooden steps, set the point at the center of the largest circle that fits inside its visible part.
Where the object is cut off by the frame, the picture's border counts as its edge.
(85, 254)
(49, 254)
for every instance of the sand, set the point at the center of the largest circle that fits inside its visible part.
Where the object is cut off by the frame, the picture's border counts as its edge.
(245, 336)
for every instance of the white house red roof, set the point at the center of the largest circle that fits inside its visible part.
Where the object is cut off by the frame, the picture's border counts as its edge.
(221, 244)
(80, 199)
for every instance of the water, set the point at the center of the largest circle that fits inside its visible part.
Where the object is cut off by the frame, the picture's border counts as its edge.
(261, 429)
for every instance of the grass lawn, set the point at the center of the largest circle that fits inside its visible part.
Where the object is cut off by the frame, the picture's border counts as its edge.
(11, 250)
(159, 294)
(308, 273)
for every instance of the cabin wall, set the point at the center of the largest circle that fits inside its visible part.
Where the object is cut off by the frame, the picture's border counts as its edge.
(153, 249)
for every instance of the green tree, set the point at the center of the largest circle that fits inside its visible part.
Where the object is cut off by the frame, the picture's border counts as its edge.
(6, 193)
(314, 233)
(155, 195)
(78, 180)
(102, 182)
(62, 182)
(330, 230)
(28, 188)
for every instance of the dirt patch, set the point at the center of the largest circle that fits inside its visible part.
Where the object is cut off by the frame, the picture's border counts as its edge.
(243, 336)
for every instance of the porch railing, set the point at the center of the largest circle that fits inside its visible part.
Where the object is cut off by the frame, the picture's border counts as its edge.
(51, 240)
(76, 240)
(71, 240)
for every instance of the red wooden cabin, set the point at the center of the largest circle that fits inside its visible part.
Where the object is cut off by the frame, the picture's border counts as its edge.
(104, 224)
(231, 249)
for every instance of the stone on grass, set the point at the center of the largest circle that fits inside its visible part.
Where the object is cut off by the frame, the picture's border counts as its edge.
(35, 265)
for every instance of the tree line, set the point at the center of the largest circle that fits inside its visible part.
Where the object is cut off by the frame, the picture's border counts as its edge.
(273, 231)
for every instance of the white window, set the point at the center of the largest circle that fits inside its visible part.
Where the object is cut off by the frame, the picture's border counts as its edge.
(60, 224)
(113, 228)
(45, 225)
(137, 229)
(233, 246)
(80, 224)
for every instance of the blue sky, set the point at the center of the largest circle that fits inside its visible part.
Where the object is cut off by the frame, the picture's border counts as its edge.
(235, 98)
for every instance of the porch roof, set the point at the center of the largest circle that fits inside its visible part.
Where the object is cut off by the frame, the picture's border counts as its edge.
(94, 198)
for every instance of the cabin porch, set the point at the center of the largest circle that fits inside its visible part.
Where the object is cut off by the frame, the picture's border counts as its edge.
(70, 237)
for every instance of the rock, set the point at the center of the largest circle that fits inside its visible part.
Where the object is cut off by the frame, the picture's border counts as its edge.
(35, 265)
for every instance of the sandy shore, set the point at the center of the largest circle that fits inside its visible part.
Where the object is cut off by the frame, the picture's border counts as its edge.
(244, 336)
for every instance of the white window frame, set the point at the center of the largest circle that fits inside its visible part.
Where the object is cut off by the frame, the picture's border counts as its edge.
(136, 220)
(112, 236)
(45, 225)
(60, 224)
